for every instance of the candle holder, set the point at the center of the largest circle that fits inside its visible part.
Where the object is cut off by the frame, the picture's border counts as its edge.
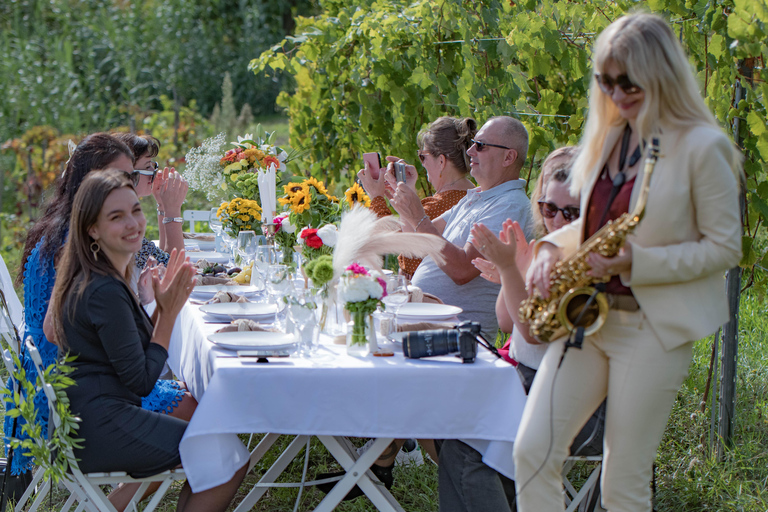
(269, 230)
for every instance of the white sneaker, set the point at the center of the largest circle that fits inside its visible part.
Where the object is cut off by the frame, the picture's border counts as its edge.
(365, 447)
(406, 458)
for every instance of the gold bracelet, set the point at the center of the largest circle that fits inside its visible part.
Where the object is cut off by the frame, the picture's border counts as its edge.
(419, 224)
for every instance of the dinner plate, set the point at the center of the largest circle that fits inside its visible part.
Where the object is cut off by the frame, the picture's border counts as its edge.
(235, 310)
(205, 292)
(210, 256)
(427, 311)
(253, 340)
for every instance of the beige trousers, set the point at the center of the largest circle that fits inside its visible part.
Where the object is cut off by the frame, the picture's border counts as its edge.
(626, 362)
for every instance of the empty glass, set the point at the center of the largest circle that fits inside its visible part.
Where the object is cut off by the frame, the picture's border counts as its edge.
(301, 307)
(246, 245)
(279, 284)
(215, 223)
(397, 294)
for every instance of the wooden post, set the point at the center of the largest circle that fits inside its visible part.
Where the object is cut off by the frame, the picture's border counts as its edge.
(731, 330)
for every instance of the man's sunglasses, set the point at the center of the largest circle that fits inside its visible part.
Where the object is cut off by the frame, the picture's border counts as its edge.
(549, 210)
(607, 84)
(138, 173)
(481, 145)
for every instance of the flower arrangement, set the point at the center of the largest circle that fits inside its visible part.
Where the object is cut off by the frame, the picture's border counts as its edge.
(240, 214)
(320, 270)
(233, 172)
(310, 204)
(361, 291)
(317, 242)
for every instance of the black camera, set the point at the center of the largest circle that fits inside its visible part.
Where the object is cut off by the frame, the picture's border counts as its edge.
(462, 339)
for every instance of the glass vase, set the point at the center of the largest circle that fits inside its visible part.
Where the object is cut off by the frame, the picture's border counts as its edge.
(358, 331)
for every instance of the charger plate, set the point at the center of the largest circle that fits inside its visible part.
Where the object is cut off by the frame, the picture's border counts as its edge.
(427, 311)
(253, 340)
(235, 310)
(205, 292)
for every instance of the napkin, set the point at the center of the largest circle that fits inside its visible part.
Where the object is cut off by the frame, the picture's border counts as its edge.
(227, 297)
(424, 326)
(418, 295)
(206, 280)
(243, 324)
(198, 236)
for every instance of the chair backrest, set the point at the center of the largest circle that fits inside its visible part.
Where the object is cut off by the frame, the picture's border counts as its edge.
(8, 329)
(50, 394)
(195, 216)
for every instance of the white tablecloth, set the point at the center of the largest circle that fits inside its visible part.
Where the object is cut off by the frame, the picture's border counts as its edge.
(334, 394)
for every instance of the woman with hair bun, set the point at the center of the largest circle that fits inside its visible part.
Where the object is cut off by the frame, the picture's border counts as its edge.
(666, 285)
(443, 153)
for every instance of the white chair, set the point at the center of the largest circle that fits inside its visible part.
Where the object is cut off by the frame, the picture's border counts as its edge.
(85, 487)
(586, 499)
(195, 216)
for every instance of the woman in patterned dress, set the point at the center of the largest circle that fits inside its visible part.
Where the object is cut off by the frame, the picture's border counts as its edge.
(443, 153)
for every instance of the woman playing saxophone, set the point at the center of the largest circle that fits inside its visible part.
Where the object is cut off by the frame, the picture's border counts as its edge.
(666, 285)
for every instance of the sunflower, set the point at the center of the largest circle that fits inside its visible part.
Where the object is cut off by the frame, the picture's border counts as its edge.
(294, 188)
(300, 202)
(355, 194)
(317, 184)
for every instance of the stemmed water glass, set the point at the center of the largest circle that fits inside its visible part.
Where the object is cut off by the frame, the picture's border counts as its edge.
(229, 242)
(216, 226)
(397, 294)
(279, 284)
(301, 307)
(246, 245)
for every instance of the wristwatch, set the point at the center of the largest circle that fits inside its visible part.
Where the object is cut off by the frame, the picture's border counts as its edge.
(168, 220)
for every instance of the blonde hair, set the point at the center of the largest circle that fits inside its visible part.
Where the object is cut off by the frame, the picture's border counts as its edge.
(548, 170)
(644, 47)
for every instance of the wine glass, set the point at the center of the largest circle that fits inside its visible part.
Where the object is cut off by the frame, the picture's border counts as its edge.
(214, 222)
(246, 245)
(397, 294)
(279, 284)
(301, 307)
(229, 242)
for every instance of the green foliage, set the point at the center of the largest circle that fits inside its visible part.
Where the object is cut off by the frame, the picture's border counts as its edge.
(74, 65)
(52, 454)
(369, 74)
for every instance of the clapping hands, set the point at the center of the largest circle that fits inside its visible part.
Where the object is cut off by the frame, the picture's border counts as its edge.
(499, 253)
(172, 289)
(169, 189)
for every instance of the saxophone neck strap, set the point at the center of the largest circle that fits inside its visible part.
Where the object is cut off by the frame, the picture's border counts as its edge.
(620, 178)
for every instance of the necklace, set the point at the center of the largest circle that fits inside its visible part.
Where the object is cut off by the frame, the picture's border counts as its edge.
(445, 187)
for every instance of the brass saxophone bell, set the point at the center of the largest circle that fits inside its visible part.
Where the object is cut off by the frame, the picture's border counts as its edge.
(569, 312)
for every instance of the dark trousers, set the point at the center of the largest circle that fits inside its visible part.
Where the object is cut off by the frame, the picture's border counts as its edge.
(466, 484)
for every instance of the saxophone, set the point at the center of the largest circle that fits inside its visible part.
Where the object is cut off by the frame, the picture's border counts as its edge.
(571, 288)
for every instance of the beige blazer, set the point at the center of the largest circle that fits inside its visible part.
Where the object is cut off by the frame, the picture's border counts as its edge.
(690, 235)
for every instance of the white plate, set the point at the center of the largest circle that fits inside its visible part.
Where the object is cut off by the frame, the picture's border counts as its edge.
(253, 340)
(234, 310)
(207, 291)
(426, 310)
(211, 257)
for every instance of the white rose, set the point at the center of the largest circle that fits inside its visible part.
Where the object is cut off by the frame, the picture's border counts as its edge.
(329, 234)
(353, 289)
(287, 226)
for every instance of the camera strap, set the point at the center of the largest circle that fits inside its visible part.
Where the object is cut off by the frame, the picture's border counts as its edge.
(484, 343)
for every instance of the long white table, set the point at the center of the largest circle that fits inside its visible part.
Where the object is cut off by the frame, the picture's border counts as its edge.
(334, 395)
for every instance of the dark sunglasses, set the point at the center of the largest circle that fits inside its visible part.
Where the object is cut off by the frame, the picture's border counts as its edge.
(607, 84)
(137, 174)
(481, 145)
(423, 156)
(549, 210)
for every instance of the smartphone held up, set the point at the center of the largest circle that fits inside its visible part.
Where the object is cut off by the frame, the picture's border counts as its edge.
(374, 164)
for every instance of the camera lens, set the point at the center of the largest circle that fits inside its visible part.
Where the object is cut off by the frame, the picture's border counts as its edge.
(437, 342)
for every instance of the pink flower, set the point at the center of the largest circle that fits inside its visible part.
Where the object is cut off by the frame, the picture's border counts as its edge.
(357, 269)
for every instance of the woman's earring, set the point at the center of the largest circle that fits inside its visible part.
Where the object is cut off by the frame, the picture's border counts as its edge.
(95, 248)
